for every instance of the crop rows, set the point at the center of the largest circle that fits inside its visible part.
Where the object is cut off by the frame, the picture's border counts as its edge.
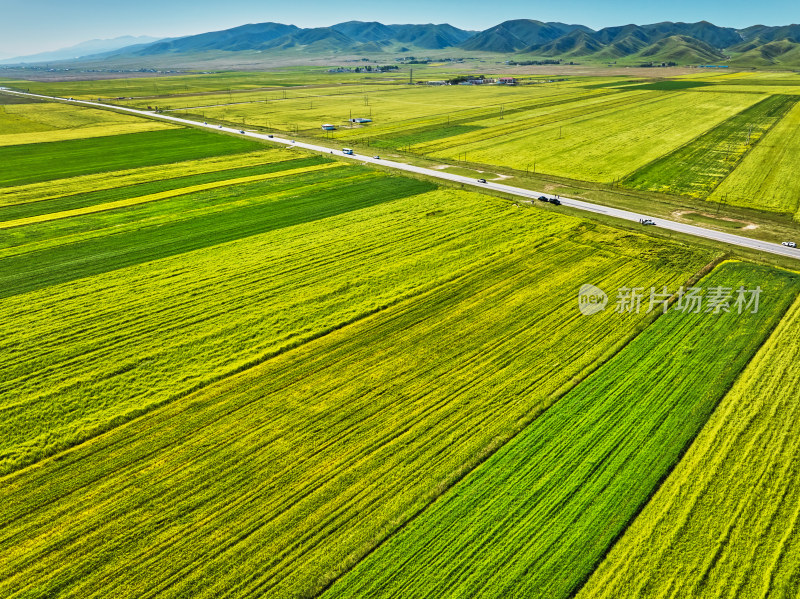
(724, 524)
(274, 481)
(163, 195)
(54, 252)
(603, 146)
(33, 163)
(696, 168)
(110, 182)
(173, 182)
(535, 519)
(767, 177)
(48, 122)
(91, 349)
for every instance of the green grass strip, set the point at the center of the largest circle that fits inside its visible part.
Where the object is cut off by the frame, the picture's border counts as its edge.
(725, 522)
(32, 163)
(538, 516)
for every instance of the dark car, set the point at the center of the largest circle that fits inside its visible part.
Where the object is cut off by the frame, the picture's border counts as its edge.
(481, 180)
(555, 201)
(270, 136)
(543, 199)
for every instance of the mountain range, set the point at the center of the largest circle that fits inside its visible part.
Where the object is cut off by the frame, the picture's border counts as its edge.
(681, 43)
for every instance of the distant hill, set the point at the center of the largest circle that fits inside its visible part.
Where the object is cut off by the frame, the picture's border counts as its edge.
(519, 35)
(83, 49)
(682, 43)
(348, 36)
(681, 49)
(430, 36)
(716, 37)
(781, 53)
(574, 44)
(245, 37)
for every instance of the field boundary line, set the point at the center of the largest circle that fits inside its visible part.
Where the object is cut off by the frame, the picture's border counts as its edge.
(162, 195)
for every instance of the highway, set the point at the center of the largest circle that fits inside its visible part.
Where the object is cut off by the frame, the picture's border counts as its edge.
(727, 238)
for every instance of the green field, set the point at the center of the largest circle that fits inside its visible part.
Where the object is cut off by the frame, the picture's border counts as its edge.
(32, 163)
(767, 176)
(724, 523)
(102, 182)
(535, 518)
(122, 192)
(189, 83)
(391, 107)
(449, 366)
(236, 369)
(701, 165)
(39, 122)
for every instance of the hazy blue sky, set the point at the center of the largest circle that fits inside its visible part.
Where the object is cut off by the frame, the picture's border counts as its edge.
(28, 26)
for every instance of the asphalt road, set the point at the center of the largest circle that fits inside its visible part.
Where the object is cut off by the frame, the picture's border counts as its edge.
(728, 238)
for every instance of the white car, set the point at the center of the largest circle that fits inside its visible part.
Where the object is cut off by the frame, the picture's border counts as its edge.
(789, 244)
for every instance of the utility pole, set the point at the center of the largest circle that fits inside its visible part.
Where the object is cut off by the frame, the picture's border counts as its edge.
(411, 77)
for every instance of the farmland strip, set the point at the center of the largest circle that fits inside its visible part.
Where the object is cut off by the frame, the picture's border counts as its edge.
(32, 163)
(162, 195)
(81, 200)
(767, 177)
(107, 241)
(535, 519)
(725, 522)
(696, 168)
(58, 188)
